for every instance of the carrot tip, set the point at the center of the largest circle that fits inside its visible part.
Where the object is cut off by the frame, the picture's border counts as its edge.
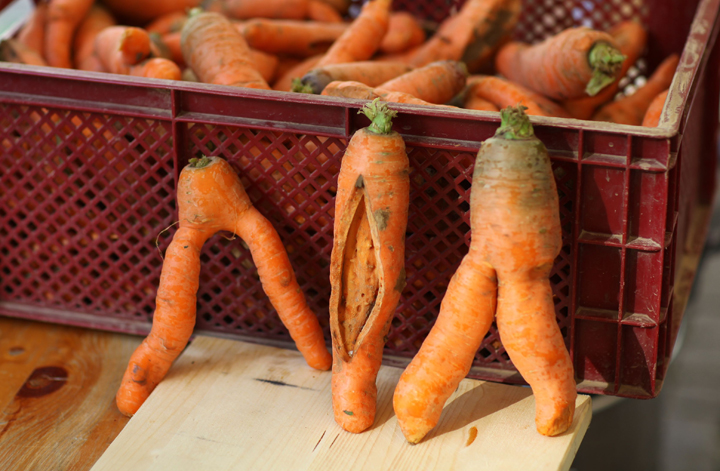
(381, 116)
(515, 124)
(606, 62)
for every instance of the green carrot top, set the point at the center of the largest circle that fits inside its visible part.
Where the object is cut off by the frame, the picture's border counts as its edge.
(381, 116)
(515, 124)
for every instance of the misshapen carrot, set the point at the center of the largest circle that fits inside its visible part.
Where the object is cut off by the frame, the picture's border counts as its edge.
(291, 37)
(436, 83)
(631, 109)
(654, 111)
(157, 67)
(119, 47)
(574, 63)
(32, 34)
(96, 20)
(367, 265)
(516, 235)
(368, 72)
(217, 52)
(404, 33)
(143, 11)
(211, 198)
(320, 11)
(503, 93)
(63, 18)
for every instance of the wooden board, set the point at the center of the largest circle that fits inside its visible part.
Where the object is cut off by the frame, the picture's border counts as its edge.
(229, 405)
(57, 394)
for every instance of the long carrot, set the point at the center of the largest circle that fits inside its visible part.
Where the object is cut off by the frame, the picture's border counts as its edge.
(323, 12)
(654, 111)
(367, 265)
(157, 67)
(631, 38)
(119, 47)
(361, 91)
(168, 23)
(341, 6)
(63, 18)
(631, 109)
(404, 33)
(291, 37)
(14, 51)
(362, 39)
(515, 223)
(217, 52)
(32, 34)
(503, 93)
(97, 19)
(571, 64)
(368, 72)
(211, 199)
(248, 9)
(284, 81)
(475, 102)
(437, 82)
(143, 11)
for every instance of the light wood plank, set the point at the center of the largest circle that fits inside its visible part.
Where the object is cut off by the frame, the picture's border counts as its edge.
(230, 405)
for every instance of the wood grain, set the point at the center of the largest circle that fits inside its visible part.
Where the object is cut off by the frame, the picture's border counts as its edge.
(228, 405)
(57, 394)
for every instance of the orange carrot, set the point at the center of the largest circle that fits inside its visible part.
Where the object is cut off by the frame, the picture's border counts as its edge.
(284, 81)
(97, 19)
(32, 34)
(168, 23)
(368, 72)
(503, 93)
(158, 48)
(172, 42)
(119, 47)
(157, 67)
(574, 63)
(631, 38)
(291, 37)
(631, 109)
(247, 9)
(213, 199)
(404, 33)
(515, 222)
(367, 265)
(143, 11)
(362, 39)
(217, 53)
(14, 51)
(321, 11)
(266, 64)
(437, 82)
(63, 18)
(654, 111)
(341, 6)
(474, 102)
(92, 63)
(361, 91)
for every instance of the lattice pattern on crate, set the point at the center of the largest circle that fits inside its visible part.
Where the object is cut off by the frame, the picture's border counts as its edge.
(84, 197)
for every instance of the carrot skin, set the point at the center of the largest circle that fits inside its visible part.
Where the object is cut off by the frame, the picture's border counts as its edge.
(248, 9)
(503, 93)
(404, 33)
(32, 34)
(96, 20)
(119, 47)
(367, 72)
(321, 11)
(63, 18)
(157, 67)
(169, 23)
(291, 37)
(654, 111)
(437, 82)
(284, 81)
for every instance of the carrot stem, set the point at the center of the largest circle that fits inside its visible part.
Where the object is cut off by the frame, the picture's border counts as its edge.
(299, 87)
(514, 124)
(380, 116)
(605, 61)
(199, 163)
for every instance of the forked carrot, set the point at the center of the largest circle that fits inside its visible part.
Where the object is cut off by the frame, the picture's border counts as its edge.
(367, 265)
(119, 47)
(574, 63)
(14, 51)
(320, 11)
(515, 223)
(404, 33)
(157, 67)
(503, 93)
(32, 34)
(436, 82)
(97, 19)
(143, 11)
(63, 18)
(368, 72)
(291, 37)
(211, 199)
(654, 111)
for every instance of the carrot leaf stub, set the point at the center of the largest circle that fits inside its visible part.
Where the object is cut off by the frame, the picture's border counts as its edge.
(605, 61)
(515, 124)
(380, 116)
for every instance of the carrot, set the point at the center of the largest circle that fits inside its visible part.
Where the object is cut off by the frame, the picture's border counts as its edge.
(211, 199)
(143, 11)
(571, 64)
(247, 9)
(119, 47)
(361, 91)
(32, 34)
(172, 42)
(321, 11)
(362, 39)
(157, 67)
(284, 81)
(158, 48)
(168, 23)
(404, 33)
(341, 6)
(92, 64)
(189, 76)
(266, 64)
(437, 82)
(63, 18)
(654, 111)
(515, 222)
(97, 19)
(14, 51)
(368, 72)
(474, 102)
(217, 52)
(503, 93)
(631, 109)
(472, 35)
(631, 38)
(291, 37)
(367, 265)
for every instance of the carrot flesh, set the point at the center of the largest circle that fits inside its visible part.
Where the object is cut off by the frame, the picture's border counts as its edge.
(63, 18)
(654, 111)
(404, 33)
(437, 82)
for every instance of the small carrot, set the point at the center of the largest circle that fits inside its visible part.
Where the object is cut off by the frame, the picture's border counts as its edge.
(404, 33)
(217, 52)
(17, 52)
(503, 93)
(631, 109)
(631, 38)
(97, 19)
(213, 199)
(515, 222)
(285, 80)
(168, 23)
(571, 64)
(436, 82)
(32, 34)
(119, 47)
(291, 37)
(362, 39)
(367, 265)
(63, 18)
(320, 11)
(157, 67)
(654, 111)
(368, 72)
(248, 9)
(143, 11)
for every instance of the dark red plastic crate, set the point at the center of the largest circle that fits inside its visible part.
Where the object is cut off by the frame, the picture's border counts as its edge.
(89, 164)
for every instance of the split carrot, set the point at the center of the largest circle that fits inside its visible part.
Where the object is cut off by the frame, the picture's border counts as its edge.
(367, 265)
(631, 109)
(217, 52)
(97, 19)
(213, 199)
(63, 18)
(404, 33)
(285, 80)
(503, 93)
(32, 34)
(631, 38)
(654, 111)
(119, 47)
(574, 63)
(157, 67)
(515, 222)
(368, 72)
(291, 37)
(168, 23)
(323, 12)
(436, 82)
(17, 52)
(363, 37)
(143, 11)
(248, 9)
